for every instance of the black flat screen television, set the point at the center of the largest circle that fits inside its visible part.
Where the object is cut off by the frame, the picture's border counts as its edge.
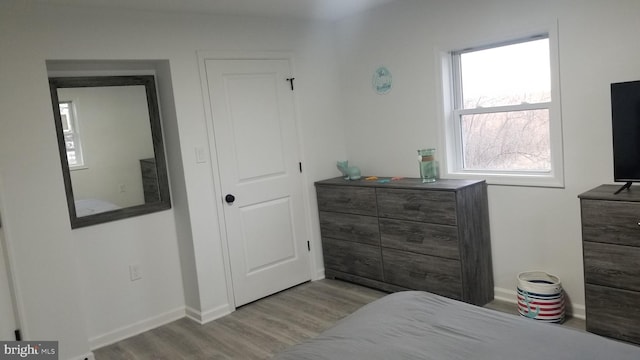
(625, 117)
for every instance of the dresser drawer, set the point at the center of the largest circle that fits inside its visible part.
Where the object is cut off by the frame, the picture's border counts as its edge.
(423, 238)
(613, 312)
(422, 272)
(347, 199)
(614, 222)
(357, 228)
(612, 265)
(437, 207)
(353, 258)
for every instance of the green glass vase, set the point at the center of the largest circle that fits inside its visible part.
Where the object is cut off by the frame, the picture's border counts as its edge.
(428, 166)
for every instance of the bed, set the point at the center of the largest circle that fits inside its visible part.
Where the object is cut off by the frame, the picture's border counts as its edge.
(420, 325)
(86, 207)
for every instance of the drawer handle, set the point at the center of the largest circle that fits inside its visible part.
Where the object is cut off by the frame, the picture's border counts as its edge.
(415, 239)
(417, 275)
(346, 229)
(343, 200)
(413, 207)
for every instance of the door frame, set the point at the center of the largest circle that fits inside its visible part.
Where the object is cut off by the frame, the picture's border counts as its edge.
(9, 267)
(203, 56)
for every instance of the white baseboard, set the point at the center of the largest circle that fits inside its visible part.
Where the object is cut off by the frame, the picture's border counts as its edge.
(319, 275)
(136, 328)
(505, 295)
(209, 315)
(575, 310)
(578, 312)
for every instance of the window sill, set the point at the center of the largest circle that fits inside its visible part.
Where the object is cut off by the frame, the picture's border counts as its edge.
(529, 180)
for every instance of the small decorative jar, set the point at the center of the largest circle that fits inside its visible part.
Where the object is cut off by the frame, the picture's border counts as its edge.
(428, 166)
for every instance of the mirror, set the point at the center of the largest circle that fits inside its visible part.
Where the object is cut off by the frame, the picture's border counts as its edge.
(111, 148)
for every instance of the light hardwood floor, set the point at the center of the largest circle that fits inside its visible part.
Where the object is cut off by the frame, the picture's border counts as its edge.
(255, 331)
(260, 329)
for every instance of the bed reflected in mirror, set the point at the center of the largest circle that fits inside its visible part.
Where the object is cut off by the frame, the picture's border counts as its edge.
(111, 148)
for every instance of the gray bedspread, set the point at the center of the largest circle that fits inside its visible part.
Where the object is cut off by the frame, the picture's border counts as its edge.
(420, 325)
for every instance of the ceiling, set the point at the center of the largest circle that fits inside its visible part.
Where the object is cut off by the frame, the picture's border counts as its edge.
(330, 10)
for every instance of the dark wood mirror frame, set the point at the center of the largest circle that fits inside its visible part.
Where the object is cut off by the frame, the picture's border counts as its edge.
(164, 201)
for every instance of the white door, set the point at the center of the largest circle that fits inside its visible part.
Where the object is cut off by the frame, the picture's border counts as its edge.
(258, 160)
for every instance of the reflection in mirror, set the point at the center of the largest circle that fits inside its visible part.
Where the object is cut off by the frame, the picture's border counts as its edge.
(110, 147)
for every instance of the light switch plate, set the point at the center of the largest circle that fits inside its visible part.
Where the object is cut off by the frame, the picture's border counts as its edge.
(201, 155)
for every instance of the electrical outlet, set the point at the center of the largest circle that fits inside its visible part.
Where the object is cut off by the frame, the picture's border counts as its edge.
(134, 272)
(122, 188)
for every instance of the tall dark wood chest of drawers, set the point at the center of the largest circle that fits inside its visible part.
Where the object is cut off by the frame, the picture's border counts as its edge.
(404, 234)
(611, 249)
(150, 187)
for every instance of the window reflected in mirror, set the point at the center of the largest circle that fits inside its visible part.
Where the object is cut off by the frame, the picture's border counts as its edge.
(71, 135)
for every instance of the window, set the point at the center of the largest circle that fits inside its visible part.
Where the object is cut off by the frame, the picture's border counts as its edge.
(503, 124)
(71, 135)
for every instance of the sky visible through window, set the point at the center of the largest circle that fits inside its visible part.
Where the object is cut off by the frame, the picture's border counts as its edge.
(507, 75)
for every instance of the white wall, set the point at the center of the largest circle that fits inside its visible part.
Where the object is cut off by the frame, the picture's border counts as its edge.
(531, 228)
(74, 286)
(35, 221)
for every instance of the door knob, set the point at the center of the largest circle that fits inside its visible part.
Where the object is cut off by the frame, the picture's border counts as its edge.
(229, 199)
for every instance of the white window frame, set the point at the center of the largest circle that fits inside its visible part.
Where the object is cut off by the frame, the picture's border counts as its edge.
(75, 134)
(451, 162)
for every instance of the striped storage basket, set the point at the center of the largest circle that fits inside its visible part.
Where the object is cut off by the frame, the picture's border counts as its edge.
(540, 296)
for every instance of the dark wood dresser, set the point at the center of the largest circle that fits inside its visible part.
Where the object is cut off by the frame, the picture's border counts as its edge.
(611, 249)
(150, 186)
(404, 234)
